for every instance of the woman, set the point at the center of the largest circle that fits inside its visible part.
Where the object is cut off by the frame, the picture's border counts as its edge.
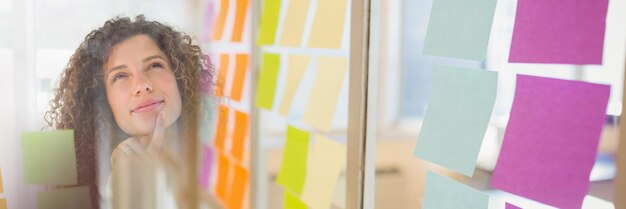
(136, 85)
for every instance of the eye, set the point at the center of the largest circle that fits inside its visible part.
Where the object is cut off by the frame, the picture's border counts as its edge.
(155, 65)
(119, 76)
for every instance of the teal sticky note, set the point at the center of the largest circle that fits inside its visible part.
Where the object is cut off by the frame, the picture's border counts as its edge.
(444, 193)
(49, 157)
(456, 117)
(459, 28)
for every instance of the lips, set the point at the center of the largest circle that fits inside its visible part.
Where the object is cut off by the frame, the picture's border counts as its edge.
(148, 105)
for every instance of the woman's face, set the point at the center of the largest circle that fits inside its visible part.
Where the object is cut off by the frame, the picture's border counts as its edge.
(140, 83)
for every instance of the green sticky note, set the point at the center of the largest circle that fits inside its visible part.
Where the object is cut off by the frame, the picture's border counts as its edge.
(293, 202)
(49, 157)
(459, 28)
(71, 198)
(444, 193)
(457, 117)
(293, 167)
(267, 81)
(269, 22)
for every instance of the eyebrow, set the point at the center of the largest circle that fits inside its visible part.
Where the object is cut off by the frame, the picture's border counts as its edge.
(124, 66)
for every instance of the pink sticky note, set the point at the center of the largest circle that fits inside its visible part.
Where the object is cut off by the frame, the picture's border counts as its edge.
(205, 169)
(551, 140)
(556, 31)
(511, 206)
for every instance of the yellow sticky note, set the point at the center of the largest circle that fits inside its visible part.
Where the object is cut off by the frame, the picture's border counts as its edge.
(296, 67)
(293, 166)
(269, 22)
(322, 102)
(294, 22)
(3, 203)
(74, 198)
(327, 28)
(292, 202)
(328, 159)
(267, 81)
(49, 157)
(1, 186)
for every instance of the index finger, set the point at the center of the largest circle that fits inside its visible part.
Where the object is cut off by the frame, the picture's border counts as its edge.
(159, 128)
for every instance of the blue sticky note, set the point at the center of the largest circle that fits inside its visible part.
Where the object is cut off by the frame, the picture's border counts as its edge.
(456, 117)
(459, 28)
(444, 193)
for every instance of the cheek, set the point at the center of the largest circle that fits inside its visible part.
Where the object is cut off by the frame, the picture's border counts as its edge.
(117, 101)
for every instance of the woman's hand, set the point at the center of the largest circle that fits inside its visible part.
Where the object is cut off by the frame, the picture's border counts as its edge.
(144, 148)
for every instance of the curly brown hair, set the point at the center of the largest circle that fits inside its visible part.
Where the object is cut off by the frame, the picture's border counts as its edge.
(80, 102)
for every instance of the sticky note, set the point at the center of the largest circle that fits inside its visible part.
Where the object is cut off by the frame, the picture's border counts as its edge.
(327, 160)
(511, 206)
(207, 21)
(457, 117)
(1, 186)
(293, 202)
(218, 30)
(241, 177)
(620, 175)
(459, 28)
(553, 31)
(49, 157)
(551, 140)
(269, 22)
(3, 203)
(294, 22)
(444, 193)
(206, 166)
(240, 18)
(327, 28)
(75, 197)
(221, 75)
(241, 70)
(240, 134)
(222, 189)
(222, 128)
(293, 166)
(267, 81)
(297, 66)
(322, 103)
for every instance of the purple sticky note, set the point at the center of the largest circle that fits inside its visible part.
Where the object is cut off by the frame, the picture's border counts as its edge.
(551, 140)
(205, 169)
(511, 206)
(556, 31)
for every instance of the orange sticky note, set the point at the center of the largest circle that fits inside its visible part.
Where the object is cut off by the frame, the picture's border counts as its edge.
(239, 186)
(241, 67)
(240, 18)
(3, 203)
(221, 186)
(222, 128)
(218, 31)
(221, 75)
(240, 133)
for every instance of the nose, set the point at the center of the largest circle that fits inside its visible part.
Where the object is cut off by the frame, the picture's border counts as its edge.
(142, 84)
